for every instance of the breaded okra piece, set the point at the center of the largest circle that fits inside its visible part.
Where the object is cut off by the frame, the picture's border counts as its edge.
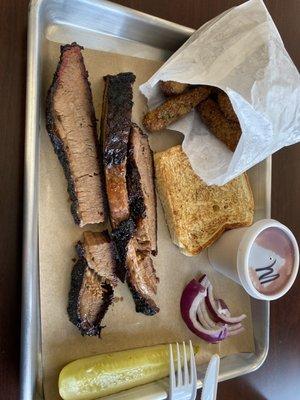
(171, 88)
(226, 107)
(174, 108)
(229, 132)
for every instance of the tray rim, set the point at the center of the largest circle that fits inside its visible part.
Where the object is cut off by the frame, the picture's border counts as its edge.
(30, 360)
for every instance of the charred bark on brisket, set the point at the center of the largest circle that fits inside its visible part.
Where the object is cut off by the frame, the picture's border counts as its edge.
(115, 128)
(92, 282)
(71, 125)
(141, 277)
(134, 237)
(134, 264)
(121, 236)
(136, 198)
(128, 165)
(140, 186)
(143, 305)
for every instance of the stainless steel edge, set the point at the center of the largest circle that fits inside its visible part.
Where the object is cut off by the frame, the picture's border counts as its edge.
(262, 348)
(30, 325)
(124, 22)
(139, 15)
(266, 305)
(268, 185)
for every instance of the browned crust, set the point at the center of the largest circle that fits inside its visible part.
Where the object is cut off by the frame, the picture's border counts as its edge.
(174, 108)
(171, 88)
(169, 209)
(250, 190)
(228, 132)
(226, 227)
(226, 107)
(217, 235)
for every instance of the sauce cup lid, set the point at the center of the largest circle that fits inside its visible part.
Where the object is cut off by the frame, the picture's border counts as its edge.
(243, 257)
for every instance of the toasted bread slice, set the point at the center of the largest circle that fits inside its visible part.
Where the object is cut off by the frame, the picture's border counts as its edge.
(198, 214)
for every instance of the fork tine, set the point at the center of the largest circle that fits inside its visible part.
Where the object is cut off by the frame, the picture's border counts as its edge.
(172, 373)
(179, 371)
(185, 366)
(193, 372)
(192, 364)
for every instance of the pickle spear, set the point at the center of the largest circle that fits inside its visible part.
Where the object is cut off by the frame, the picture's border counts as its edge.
(97, 376)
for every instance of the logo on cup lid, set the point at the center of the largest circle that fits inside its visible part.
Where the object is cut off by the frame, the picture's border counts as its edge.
(271, 261)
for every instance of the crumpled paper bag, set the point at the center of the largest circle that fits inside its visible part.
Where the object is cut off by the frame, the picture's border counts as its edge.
(241, 52)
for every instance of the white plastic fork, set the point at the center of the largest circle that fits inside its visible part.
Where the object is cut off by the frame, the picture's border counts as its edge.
(185, 386)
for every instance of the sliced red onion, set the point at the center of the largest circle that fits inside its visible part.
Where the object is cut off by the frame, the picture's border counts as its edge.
(201, 318)
(204, 317)
(219, 310)
(193, 294)
(236, 331)
(222, 307)
(204, 281)
(234, 327)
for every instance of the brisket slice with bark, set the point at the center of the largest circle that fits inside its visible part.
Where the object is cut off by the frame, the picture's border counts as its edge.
(141, 277)
(122, 236)
(135, 266)
(115, 128)
(71, 124)
(140, 184)
(92, 282)
(136, 237)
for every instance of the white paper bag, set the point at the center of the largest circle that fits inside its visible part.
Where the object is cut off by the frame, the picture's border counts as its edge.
(242, 53)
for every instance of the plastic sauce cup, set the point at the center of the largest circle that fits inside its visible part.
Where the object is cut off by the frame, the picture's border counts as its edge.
(263, 258)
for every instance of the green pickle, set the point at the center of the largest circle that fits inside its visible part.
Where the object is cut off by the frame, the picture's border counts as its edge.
(97, 376)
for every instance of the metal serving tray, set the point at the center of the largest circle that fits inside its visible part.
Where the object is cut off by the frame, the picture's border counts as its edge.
(103, 25)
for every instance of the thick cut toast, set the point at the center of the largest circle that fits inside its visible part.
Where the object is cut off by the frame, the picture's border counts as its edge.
(197, 214)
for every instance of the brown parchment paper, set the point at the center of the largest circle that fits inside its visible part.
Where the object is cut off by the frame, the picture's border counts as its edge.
(61, 341)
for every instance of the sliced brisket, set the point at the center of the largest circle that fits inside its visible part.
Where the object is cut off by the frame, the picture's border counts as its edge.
(71, 125)
(141, 277)
(140, 183)
(92, 281)
(128, 165)
(136, 237)
(115, 127)
(135, 266)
